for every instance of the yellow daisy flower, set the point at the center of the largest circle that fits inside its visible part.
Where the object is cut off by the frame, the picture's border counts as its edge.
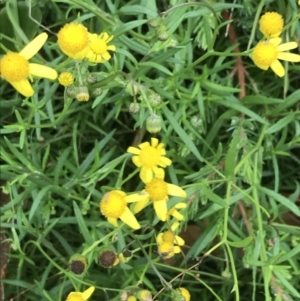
(271, 24)
(76, 296)
(114, 206)
(185, 293)
(144, 295)
(148, 158)
(158, 190)
(175, 213)
(268, 53)
(16, 69)
(169, 236)
(167, 250)
(66, 79)
(98, 48)
(73, 40)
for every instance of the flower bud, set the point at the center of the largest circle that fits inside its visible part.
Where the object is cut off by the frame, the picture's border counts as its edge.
(71, 91)
(181, 294)
(66, 79)
(144, 295)
(134, 108)
(91, 79)
(77, 264)
(155, 22)
(153, 123)
(162, 33)
(154, 99)
(97, 92)
(131, 88)
(82, 93)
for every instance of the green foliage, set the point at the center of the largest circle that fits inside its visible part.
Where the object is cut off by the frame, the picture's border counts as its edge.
(233, 140)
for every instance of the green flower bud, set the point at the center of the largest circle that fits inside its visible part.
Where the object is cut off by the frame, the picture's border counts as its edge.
(91, 79)
(144, 295)
(162, 33)
(154, 99)
(97, 92)
(82, 93)
(131, 89)
(154, 22)
(153, 123)
(134, 108)
(71, 91)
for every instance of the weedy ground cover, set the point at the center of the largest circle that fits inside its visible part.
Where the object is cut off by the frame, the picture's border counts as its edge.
(150, 150)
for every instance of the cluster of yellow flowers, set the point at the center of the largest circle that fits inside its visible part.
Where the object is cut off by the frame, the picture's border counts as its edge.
(149, 158)
(73, 39)
(267, 53)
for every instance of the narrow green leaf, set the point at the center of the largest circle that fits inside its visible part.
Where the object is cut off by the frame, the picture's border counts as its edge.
(60, 163)
(157, 66)
(126, 27)
(281, 124)
(242, 243)
(281, 199)
(213, 197)
(232, 154)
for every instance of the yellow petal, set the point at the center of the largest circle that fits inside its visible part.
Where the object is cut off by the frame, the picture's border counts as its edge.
(128, 218)
(159, 239)
(42, 71)
(87, 293)
(278, 68)
(133, 150)
(287, 46)
(144, 144)
(23, 87)
(179, 241)
(275, 41)
(136, 197)
(159, 172)
(34, 46)
(92, 37)
(176, 190)
(176, 249)
(161, 211)
(177, 215)
(146, 174)
(104, 36)
(289, 57)
(164, 162)
(174, 226)
(113, 221)
(139, 206)
(180, 205)
(154, 142)
(136, 161)
(111, 47)
(106, 55)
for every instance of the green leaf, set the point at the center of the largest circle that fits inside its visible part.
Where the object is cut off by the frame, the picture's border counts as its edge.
(281, 199)
(242, 243)
(82, 225)
(281, 124)
(213, 197)
(157, 66)
(127, 26)
(232, 154)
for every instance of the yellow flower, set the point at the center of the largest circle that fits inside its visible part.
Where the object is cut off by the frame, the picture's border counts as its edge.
(114, 206)
(167, 250)
(73, 40)
(158, 190)
(175, 213)
(149, 157)
(98, 48)
(185, 293)
(144, 295)
(271, 24)
(82, 93)
(66, 79)
(268, 53)
(16, 69)
(76, 296)
(131, 298)
(169, 236)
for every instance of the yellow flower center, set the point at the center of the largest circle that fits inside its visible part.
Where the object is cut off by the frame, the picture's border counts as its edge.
(168, 236)
(113, 204)
(166, 249)
(66, 79)
(73, 38)
(98, 46)
(75, 297)
(149, 156)
(264, 54)
(271, 24)
(14, 67)
(157, 189)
